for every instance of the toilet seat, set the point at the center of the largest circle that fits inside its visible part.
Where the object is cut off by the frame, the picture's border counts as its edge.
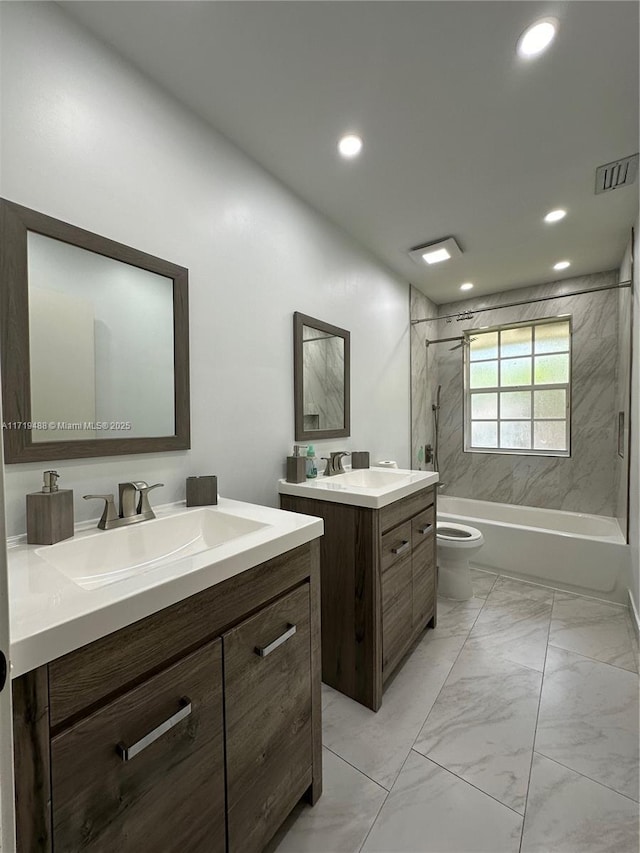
(458, 535)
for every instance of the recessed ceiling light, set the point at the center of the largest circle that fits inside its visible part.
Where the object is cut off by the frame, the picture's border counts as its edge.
(436, 256)
(537, 37)
(466, 286)
(562, 265)
(435, 253)
(555, 215)
(350, 146)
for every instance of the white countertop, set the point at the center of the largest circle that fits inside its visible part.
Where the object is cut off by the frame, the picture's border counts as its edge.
(50, 615)
(402, 483)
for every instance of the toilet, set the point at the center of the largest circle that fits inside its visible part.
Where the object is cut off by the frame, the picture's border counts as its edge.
(457, 544)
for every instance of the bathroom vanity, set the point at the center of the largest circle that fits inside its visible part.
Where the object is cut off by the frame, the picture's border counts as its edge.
(378, 566)
(176, 709)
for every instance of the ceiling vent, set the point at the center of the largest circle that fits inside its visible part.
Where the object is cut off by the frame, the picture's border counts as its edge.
(620, 173)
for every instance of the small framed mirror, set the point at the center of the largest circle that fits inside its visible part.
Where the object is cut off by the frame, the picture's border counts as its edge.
(95, 343)
(321, 376)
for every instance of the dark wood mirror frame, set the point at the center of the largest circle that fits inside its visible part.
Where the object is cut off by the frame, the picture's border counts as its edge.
(15, 222)
(300, 320)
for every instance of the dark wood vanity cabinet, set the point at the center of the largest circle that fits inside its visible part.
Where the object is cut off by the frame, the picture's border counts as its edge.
(378, 587)
(195, 729)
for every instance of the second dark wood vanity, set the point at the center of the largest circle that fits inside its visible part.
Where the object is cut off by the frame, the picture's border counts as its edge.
(378, 571)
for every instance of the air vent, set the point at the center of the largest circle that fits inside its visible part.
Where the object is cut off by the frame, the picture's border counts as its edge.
(620, 173)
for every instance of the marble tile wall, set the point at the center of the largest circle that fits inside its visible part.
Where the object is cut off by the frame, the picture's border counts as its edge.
(584, 482)
(423, 379)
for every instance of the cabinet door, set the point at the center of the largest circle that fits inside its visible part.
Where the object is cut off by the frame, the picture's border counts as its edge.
(423, 566)
(267, 683)
(124, 779)
(396, 613)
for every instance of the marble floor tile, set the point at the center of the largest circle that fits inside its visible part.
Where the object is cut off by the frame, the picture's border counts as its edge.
(432, 811)
(457, 618)
(340, 820)
(378, 743)
(588, 719)
(482, 725)
(507, 585)
(568, 813)
(514, 625)
(595, 629)
(482, 582)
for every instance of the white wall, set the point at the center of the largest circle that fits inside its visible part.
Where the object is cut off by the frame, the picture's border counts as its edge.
(88, 140)
(634, 474)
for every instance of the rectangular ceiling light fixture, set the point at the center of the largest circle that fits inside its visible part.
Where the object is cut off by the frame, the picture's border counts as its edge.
(435, 253)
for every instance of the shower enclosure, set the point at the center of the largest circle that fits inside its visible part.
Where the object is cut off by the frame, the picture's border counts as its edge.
(591, 478)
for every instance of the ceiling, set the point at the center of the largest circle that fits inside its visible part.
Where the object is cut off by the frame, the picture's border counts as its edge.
(461, 137)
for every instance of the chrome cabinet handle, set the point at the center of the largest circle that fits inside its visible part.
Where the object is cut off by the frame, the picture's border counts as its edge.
(424, 530)
(401, 548)
(126, 753)
(263, 651)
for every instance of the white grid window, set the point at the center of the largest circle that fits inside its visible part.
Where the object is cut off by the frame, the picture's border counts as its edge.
(518, 389)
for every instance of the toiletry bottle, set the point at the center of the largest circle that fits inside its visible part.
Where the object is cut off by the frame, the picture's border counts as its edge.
(312, 470)
(49, 512)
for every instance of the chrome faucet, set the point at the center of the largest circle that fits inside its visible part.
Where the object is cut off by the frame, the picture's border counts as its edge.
(334, 463)
(130, 511)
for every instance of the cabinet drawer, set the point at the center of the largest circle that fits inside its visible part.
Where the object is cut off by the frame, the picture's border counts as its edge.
(395, 544)
(423, 528)
(169, 792)
(405, 508)
(268, 719)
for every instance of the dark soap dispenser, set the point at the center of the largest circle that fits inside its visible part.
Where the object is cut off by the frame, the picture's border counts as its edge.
(49, 512)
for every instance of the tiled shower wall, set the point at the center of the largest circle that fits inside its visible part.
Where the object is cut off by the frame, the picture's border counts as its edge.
(423, 379)
(584, 482)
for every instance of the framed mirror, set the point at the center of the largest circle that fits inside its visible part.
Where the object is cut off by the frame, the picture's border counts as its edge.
(94, 343)
(321, 377)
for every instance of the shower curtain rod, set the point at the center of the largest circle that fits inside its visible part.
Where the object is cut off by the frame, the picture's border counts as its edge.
(467, 315)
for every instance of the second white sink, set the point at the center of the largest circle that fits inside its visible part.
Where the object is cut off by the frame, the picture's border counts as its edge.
(367, 487)
(367, 478)
(109, 556)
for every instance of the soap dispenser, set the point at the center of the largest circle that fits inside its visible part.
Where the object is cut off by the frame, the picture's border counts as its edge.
(49, 512)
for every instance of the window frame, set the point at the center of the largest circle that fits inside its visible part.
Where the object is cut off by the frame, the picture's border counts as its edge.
(566, 386)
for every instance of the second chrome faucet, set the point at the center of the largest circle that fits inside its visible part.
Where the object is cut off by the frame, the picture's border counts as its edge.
(334, 463)
(132, 511)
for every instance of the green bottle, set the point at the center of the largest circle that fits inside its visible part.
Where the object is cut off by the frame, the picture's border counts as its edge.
(312, 471)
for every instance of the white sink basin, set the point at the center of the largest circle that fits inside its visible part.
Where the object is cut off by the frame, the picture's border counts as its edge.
(367, 478)
(108, 556)
(368, 487)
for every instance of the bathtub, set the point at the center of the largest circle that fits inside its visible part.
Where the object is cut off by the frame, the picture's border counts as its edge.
(567, 550)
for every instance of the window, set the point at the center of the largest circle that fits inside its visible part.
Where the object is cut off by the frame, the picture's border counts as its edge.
(518, 389)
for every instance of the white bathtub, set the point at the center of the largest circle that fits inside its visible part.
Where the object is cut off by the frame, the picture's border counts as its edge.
(568, 550)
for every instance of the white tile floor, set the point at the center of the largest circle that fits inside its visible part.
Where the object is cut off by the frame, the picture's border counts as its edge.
(511, 728)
